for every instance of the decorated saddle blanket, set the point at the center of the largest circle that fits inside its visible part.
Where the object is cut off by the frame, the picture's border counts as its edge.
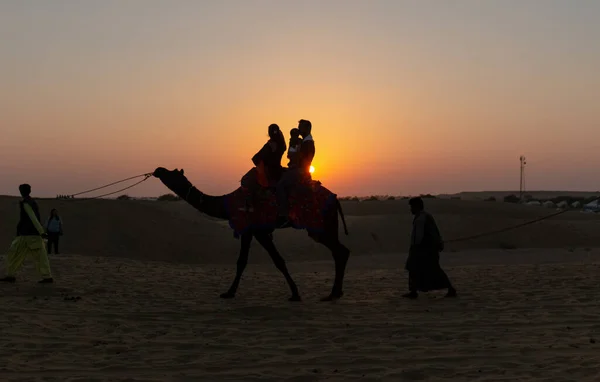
(308, 204)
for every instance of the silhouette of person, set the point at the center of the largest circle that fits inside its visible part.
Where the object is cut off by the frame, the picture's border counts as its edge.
(267, 163)
(29, 240)
(268, 158)
(423, 263)
(295, 175)
(294, 148)
(54, 229)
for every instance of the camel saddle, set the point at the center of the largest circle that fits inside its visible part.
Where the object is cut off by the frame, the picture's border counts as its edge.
(255, 179)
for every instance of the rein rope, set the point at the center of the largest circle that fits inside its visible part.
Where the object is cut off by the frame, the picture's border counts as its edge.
(145, 176)
(476, 236)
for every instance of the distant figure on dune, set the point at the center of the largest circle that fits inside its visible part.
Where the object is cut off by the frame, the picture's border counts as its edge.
(29, 240)
(54, 228)
(423, 263)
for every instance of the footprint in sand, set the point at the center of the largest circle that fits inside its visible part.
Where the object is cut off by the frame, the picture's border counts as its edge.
(296, 351)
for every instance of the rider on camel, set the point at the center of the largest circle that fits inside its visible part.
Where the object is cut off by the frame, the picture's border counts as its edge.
(297, 174)
(294, 147)
(268, 164)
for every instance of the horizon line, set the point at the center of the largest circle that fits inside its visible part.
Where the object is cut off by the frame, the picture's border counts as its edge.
(508, 192)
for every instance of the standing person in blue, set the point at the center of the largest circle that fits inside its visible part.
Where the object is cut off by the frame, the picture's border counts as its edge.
(297, 173)
(423, 263)
(54, 228)
(29, 240)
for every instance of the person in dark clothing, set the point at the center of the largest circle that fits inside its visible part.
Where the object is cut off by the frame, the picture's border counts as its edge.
(294, 148)
(296, 174)
(54, 229)
(270, 155)
(29, 240)
(423, 263)
(267, 162)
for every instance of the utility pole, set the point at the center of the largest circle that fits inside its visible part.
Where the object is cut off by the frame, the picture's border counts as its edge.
(522, 181)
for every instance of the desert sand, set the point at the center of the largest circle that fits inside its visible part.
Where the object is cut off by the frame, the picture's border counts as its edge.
(137, 285)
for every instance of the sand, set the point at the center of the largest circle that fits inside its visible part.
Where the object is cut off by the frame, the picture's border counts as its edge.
(528, 314)
(175, 232)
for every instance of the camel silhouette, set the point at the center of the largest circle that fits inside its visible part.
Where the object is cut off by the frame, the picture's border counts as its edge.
(215, 206)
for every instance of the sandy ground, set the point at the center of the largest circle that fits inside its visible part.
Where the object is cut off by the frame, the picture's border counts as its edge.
(521, 315)
(114, 314)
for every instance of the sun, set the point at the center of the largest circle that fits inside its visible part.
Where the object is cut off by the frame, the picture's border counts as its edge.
(311, 169)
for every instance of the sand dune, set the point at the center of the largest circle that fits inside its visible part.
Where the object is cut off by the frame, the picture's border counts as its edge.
(174, 231)
(480, 195)
(528, 314)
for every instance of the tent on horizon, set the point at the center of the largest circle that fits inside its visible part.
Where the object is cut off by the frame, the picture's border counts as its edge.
(592, 206)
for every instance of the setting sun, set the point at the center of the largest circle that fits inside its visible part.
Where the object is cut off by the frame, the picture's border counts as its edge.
(311, 169)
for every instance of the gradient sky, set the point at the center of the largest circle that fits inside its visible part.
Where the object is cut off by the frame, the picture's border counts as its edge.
(405, 97)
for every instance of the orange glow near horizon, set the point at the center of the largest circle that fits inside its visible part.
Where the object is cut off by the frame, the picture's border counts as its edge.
(397, 106)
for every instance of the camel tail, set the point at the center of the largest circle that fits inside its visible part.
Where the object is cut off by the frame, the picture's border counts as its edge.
(339, 207)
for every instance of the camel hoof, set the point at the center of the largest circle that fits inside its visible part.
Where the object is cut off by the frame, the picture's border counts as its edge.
(228, 295)
(295, 298)
(333, 297)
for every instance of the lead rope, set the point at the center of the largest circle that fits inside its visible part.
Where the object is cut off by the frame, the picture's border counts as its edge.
(145, 176)
(465, 238)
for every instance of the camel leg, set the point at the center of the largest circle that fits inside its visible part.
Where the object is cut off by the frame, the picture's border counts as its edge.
(266, 240)
(340, 254)
(242, 261)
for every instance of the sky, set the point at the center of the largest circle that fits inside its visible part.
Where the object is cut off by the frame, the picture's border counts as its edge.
(405, 97)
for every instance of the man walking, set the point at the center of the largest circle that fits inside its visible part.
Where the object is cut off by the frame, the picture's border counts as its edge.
(423, 263)
(29, 241)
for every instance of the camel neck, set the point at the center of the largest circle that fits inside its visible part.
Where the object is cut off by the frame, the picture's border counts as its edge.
(213, 206)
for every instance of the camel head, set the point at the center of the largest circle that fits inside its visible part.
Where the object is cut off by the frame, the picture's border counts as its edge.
(174, 180)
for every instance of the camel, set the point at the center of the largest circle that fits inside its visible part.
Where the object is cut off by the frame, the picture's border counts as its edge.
(214, 206)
